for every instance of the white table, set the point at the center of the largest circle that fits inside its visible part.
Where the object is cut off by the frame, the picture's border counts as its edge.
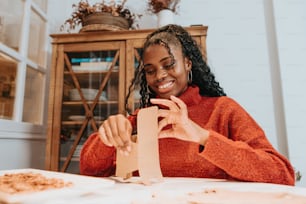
(174, 190)
(92, 190)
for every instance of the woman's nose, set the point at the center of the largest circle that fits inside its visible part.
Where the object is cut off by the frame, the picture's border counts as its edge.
(161, 73)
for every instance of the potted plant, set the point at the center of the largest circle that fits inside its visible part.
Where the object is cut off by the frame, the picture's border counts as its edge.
(101, 16)
(164, 10)
(155, 6)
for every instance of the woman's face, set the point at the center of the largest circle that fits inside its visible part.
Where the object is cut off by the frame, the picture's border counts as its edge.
(166, 76)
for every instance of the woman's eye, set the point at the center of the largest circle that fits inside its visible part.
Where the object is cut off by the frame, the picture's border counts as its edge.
(169, 65)
(149, 71)
(166, 65)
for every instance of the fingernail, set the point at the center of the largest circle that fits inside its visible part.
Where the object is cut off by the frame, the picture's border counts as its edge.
(121, 151)
(126, 153)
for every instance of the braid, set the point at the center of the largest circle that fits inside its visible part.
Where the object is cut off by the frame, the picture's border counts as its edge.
(177, 36)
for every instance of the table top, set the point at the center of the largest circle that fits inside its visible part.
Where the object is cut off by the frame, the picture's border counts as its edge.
(197, 190)
(93, 190)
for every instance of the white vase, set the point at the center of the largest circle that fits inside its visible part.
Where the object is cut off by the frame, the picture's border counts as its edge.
(165, 17)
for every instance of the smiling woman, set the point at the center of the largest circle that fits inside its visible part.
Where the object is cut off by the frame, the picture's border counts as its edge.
(201, 131)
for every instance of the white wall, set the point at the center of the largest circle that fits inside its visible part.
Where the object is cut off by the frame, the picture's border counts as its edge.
(22, 146)
(238, 54)
(291, 27)
(22, 153)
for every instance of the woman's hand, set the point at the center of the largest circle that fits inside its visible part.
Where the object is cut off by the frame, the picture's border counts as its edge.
(116, 131)
(182, 127)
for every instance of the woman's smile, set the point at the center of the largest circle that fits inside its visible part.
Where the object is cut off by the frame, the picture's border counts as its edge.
(165, 86)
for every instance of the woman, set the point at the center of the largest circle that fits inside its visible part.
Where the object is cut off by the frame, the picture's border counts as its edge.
(202, 132)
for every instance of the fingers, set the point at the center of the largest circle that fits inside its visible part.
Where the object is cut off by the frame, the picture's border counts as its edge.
(116, 131)
(165, 102)
(127, 134)
(174, 104)
(166, 118)
(177, 111)
(179, 102)
(103, 136)
(164, 122)
(115, 134)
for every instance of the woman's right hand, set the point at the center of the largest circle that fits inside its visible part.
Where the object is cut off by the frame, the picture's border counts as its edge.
(116, 131)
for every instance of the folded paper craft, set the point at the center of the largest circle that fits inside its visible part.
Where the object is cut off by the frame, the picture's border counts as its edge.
(144, 155)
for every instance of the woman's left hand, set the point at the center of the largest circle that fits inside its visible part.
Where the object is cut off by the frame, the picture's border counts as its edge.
(177, 115)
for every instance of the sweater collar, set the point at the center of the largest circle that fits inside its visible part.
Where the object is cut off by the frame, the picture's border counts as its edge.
(191, 96)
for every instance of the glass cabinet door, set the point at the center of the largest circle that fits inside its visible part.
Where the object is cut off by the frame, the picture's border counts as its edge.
(92, 90)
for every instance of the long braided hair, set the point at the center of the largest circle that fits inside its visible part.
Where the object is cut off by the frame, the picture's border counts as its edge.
(201, 74)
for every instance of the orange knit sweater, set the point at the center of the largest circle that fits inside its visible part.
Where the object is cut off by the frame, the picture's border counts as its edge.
(237, 148)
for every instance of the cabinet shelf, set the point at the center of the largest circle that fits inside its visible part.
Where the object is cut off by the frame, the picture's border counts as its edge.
(78, 103)
(74, 159)
(93, 73)
(77, 123)
(84, 72)
(90, 78)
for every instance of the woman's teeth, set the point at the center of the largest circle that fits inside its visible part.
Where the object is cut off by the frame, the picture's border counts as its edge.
(165, 85)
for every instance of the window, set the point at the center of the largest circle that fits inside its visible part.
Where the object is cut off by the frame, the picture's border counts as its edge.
(23, 62)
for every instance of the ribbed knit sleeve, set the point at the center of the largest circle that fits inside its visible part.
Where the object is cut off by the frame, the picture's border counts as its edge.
(242, 162)
(97, 159)
(241, 149)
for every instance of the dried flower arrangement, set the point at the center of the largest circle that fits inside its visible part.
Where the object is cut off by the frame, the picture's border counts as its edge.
(155, 6)
(83, 9)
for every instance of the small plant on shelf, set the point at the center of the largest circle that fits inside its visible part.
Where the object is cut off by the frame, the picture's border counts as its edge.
(84, 9)
(155, 6)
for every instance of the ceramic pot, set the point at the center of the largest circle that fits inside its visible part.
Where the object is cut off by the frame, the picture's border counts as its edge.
(165, 17)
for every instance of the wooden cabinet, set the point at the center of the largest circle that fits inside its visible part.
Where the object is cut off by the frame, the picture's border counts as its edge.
(90, 75)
